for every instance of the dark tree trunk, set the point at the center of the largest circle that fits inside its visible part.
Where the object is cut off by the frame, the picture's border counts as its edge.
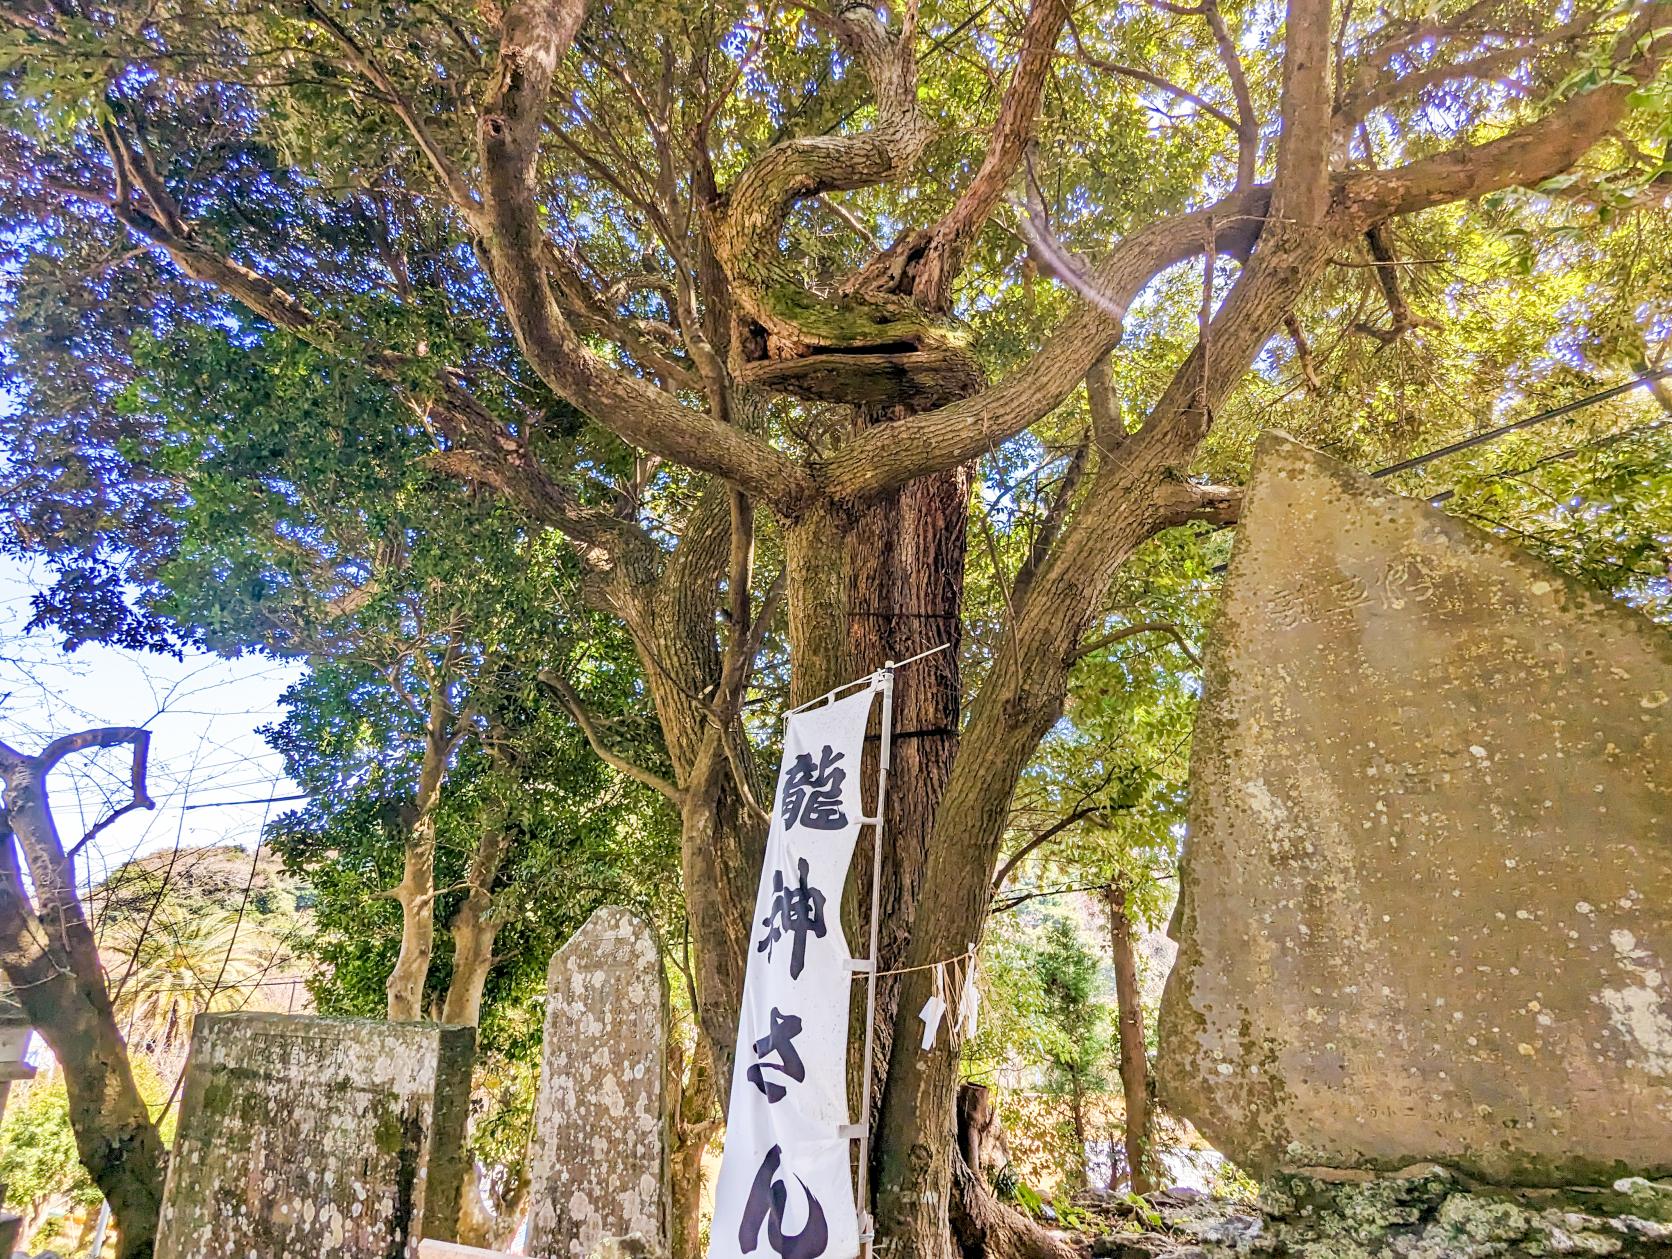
(906, 589)
(1134, 1066)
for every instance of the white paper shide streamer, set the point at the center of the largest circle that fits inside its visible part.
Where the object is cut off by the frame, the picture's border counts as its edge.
(785, 1188)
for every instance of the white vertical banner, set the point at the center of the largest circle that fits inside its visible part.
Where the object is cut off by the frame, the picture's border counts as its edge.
(785, 1188)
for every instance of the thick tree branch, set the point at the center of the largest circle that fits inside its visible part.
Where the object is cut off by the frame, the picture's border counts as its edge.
(887, 456)
(787, 320)
(534, 36)
(925, 264)
(1528, 155)
(1301, 188)
(1180, 502)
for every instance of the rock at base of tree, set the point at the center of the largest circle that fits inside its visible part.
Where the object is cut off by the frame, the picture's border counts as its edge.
(1420, 1212)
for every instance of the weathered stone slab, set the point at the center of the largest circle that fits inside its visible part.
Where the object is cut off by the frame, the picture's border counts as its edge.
(312, 1137)
(598, 1159)
(1426, 901)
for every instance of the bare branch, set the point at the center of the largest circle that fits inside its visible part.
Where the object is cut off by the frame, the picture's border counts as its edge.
(1303, 352)
(1044, 837)
(1154, 80)
(1061, 503)
(1248, 124)
(452, 179)
(948, 243)
(1093, 645)
(609, 756)
(1380, 91)
(1528, 155)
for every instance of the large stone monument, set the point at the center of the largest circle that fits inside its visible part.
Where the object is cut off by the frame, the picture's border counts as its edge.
(309, 1137)
(598, 1159)
(1426, 903)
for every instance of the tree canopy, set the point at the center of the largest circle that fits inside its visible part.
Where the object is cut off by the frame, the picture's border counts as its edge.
(570, 382)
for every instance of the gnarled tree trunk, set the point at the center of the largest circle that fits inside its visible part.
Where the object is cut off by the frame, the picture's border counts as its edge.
(51, 960)
(982, 1226)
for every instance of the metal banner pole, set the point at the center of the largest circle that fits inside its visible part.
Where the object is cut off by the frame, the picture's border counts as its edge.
(884, 756)
(862, 1130)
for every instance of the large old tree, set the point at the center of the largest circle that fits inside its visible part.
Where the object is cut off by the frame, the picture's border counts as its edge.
(753, 246)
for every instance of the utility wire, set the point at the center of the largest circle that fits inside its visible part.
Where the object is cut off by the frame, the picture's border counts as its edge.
(1480, 439)
(1555, 413)
(227, 804)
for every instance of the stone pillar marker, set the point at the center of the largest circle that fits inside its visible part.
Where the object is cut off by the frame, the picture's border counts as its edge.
(599, 1171)
(304, 1136)
(1424, 908)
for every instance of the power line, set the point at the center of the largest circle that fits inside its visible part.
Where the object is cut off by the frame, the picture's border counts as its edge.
(1480, 439)
(227, 804)
(1555, 413)
(1612, 439)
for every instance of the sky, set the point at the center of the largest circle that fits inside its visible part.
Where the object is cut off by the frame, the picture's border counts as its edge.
(211, 775)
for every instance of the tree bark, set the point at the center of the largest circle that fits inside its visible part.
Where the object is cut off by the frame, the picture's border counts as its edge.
(906, 556)
(1134, 1065)
(474, 930)
(415, 893)
(51, 960)
(697, 1119)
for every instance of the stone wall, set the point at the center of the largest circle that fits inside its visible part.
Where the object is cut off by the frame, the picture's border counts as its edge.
(1426, 900)
(308, 1136)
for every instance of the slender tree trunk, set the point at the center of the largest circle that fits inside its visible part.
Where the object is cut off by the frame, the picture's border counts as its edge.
(51, 960)
(474, 930)
(670, 609)
(697, 1119)
(1134, 1066)
(1077, 1119)
(415, 893)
